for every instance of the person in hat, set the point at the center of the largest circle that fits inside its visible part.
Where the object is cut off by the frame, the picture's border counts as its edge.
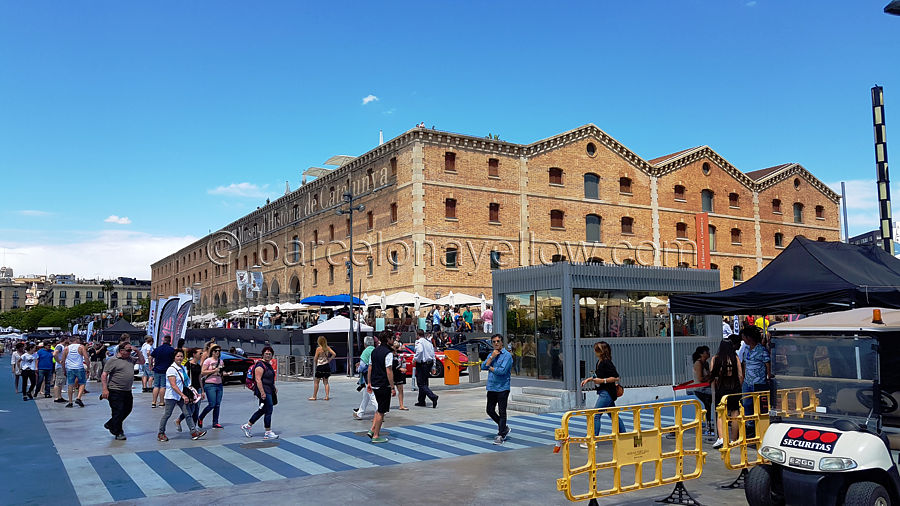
(116, 379)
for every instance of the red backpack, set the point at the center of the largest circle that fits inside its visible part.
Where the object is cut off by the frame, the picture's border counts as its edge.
(250, 381)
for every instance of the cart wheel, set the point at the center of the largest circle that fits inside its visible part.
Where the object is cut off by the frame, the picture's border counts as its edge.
(758, 488)
(866, 493)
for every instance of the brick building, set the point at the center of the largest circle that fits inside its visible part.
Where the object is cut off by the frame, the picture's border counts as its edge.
(443, 210)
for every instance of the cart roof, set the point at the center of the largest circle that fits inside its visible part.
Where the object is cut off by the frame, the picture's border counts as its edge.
(857, 320)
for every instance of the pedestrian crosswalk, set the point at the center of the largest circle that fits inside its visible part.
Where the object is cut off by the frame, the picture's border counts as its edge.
(126, 476)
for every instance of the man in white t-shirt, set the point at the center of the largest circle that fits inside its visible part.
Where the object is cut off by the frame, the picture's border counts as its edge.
(146, 377)
(75, 359)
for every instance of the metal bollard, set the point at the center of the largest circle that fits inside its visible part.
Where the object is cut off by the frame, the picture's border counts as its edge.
(472, 356)
(414, 387)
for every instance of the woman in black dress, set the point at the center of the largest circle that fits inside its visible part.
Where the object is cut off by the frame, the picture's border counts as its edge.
(399, 373)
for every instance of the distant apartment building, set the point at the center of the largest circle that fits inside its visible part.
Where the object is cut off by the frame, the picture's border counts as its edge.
(72, 291)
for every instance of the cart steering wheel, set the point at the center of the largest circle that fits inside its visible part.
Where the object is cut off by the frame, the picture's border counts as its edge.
(888, 403)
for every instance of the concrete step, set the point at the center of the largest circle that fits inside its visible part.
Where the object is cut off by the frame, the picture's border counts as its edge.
(533, 399)
(549, 392)
(528, 407)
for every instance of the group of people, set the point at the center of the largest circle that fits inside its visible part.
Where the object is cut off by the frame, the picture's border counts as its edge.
(449, 319)
(49, 366)
(741, 365)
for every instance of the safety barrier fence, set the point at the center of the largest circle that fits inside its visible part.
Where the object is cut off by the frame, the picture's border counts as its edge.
(644, 452)
(753, 411)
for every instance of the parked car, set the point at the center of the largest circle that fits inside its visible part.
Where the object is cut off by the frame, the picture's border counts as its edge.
(235, 367)
(408, 351)
(484, 347)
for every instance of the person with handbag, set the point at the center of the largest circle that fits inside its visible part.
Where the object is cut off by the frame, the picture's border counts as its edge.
(177, 385)
(194, 369)
(605, 380)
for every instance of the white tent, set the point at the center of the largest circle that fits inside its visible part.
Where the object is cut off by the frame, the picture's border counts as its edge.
(653, 301)
(407, 299)
(458, 299)
(336, 324)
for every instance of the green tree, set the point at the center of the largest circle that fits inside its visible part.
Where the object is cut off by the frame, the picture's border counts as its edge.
(13, 318)
(54, 319)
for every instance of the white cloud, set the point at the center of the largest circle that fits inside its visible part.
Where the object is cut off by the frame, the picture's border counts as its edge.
(369, 99)
(124, 220)
(108, 254)
(34, 212)
(752, 3)
(240, 190)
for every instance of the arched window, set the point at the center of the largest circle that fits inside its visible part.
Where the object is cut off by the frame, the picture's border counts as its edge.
(295, 246)
(591, 186)
(820, 213)
(734, 200)
(706, 199)
(737, 273)
(712, 238)
(735, 236)
(556, 218)
(592, 228)
(625, 185)
(681, 230)
(798, 212)
(776, 206)
(779, 240)
(627, 225)
(679, 193)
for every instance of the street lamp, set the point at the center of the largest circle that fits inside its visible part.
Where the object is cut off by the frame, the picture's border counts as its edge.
(196, 296)
(893, 8)
(348, 198)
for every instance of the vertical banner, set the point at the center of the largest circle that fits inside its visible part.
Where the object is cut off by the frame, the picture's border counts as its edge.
(165, 319)
(702, 223)
(90, 330)
(151, 320)
(256, 281)
(195, 292)
(185, 303)
(75, 330)
(243, 279)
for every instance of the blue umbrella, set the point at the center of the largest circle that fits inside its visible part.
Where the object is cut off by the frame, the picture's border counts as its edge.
(342, 299)
(315, 300)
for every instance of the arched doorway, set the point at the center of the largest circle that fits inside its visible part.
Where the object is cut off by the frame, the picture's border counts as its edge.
(275, 291)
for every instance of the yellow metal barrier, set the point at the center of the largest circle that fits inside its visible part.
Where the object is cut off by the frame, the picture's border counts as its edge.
(638, 449)
(797, 400)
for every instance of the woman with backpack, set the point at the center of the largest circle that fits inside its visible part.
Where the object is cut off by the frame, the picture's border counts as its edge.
(178, 383)
(726, 376)
(323, 357)
(266, 392)
(605, 380)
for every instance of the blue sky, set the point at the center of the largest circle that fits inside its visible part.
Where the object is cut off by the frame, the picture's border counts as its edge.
(128, 129)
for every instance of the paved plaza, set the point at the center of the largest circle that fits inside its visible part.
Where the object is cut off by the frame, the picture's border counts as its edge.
(443, 455)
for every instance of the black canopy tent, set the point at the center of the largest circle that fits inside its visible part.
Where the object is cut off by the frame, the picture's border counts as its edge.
(807, 277)
(115, 331)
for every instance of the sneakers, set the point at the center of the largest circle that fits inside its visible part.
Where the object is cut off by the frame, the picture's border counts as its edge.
(718, 444)
(47, 396)
(434, 402)
(506, 434)
(269, 435)
(120, 437)
(498, 440)
(218, 426)
(379, 440)
(161, 437)
(370, 434)
(357, 416)
(59, 400)
(177, 425)
(69, 405)
(78, 401)
(420, 404)
(583, 446)
(197, 434)
(247, 428)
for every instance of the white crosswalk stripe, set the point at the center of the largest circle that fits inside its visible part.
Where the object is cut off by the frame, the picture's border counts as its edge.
(331, 452)
(250, 466)
(297, 461)
(86, 481)
(195, 469)
(143, 475)
(367, 446)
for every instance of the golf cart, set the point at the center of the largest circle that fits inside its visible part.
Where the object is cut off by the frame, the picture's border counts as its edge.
(846, 450)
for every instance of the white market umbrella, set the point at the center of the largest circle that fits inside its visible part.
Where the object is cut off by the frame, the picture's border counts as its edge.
(407, 299)
(338, 324)
(458, 299)
(653, 301)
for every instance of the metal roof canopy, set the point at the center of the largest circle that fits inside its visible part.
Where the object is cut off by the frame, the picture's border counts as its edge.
(853, 320)
(340, 160)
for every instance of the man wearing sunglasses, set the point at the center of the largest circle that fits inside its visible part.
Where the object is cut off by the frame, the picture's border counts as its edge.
(117, 378)
(498, 365)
